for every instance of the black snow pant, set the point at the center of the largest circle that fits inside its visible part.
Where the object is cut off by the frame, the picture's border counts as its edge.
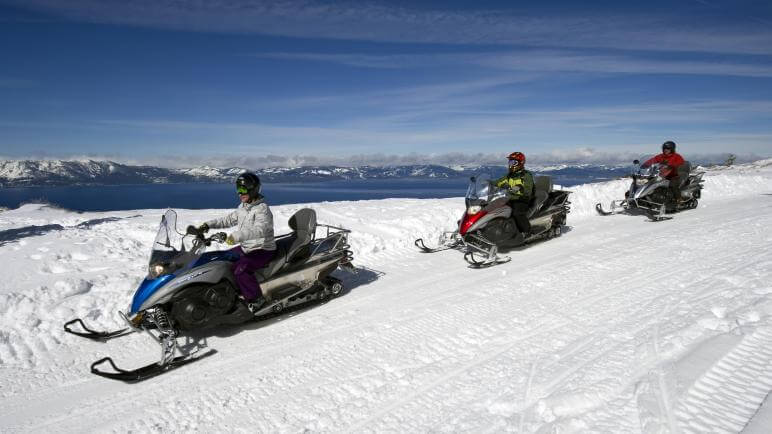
(675, 188)
(519, 215)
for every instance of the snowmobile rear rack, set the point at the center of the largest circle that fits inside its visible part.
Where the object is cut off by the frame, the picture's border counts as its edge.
(147, 371)
(93, 334)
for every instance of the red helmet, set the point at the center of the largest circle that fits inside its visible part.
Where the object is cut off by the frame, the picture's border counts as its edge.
(516, 159)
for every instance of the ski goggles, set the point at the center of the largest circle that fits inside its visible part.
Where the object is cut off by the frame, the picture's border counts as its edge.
(242, 190)
(513, 163)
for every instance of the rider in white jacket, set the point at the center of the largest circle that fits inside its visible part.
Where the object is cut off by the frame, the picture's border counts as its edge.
(254, 233)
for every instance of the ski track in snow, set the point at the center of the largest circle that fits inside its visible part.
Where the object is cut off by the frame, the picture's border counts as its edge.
(620, 325)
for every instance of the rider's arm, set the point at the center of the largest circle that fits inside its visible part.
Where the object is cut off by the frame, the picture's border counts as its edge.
(527, 186)
(224, 222)
(655, 159)
(676, 161)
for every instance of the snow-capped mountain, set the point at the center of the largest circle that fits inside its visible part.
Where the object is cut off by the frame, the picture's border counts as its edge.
(25, 173)
(30, 173)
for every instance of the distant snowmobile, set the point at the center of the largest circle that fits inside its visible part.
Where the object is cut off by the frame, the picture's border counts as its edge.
(188, 288)
(649, 192)
(487, 226)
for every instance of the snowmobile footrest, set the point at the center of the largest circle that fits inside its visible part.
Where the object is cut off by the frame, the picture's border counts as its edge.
(93, 334)
(145, 372)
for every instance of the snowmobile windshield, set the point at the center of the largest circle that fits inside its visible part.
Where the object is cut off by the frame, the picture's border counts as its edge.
(654, 170)
(171, 248)
(479, 187)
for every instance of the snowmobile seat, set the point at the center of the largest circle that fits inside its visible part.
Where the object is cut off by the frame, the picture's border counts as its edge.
(542, 186)
(292, 247)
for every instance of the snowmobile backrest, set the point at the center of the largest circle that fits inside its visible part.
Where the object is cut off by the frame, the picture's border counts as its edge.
(292, 247)
(542, 185)
(683, 172)
(303, 225)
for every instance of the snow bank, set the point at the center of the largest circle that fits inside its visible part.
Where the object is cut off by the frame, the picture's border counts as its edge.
(580, 333)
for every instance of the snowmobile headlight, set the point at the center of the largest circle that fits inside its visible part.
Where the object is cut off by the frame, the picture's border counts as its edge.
(473, 209)
(156, 270)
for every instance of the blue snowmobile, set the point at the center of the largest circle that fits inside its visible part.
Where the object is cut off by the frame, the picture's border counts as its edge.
(188, 288)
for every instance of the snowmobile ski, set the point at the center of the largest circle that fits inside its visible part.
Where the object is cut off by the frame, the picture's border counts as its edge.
(601, 211)
(443, 246)
(145, 372)
(93, 334)
(485, 263)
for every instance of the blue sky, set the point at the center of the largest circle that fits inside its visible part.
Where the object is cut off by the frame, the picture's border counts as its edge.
(176, 82)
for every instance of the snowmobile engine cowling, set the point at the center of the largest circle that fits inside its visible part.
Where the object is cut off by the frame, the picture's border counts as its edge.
(469, 220)
(147, 288)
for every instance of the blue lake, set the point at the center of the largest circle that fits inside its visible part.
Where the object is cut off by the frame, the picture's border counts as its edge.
(203, 196)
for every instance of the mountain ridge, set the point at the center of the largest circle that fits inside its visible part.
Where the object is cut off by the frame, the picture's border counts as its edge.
(39, 173)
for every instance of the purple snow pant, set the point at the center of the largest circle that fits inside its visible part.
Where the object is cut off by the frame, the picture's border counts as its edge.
(244, 270)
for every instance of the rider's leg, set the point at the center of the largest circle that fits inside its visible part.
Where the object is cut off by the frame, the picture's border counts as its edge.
(675, 188)
(244, 272)
(519, 214)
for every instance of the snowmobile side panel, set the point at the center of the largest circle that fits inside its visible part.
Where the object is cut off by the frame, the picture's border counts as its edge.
(212, 273)
(302, 277)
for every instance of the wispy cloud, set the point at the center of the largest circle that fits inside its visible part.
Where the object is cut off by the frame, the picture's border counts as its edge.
(381, 22)
(581, 155)
(543, 61)
(15, 83)
(613, 128)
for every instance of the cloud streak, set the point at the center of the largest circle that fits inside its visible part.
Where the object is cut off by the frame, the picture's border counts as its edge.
(541, 61)
(567, 156)
(381, 23)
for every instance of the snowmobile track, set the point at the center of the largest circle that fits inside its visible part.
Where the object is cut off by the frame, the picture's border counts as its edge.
(728, 395)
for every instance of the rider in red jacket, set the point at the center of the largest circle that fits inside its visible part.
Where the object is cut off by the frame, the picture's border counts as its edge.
(672, 161)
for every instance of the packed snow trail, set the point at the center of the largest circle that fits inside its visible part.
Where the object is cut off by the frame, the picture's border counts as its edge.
(620, 325)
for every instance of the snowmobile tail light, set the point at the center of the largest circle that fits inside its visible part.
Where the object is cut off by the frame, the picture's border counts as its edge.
(474, 209)
(156, 270)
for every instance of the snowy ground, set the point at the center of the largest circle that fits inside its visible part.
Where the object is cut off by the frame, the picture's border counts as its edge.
(621, 325)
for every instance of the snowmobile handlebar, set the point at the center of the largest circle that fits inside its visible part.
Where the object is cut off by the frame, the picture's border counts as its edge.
(218, 237)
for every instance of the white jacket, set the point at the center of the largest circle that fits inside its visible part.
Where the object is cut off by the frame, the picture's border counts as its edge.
(255, 226)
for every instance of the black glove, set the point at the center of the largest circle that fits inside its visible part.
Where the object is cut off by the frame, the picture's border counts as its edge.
(220, 237)
(204, 228)
(191, 230)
